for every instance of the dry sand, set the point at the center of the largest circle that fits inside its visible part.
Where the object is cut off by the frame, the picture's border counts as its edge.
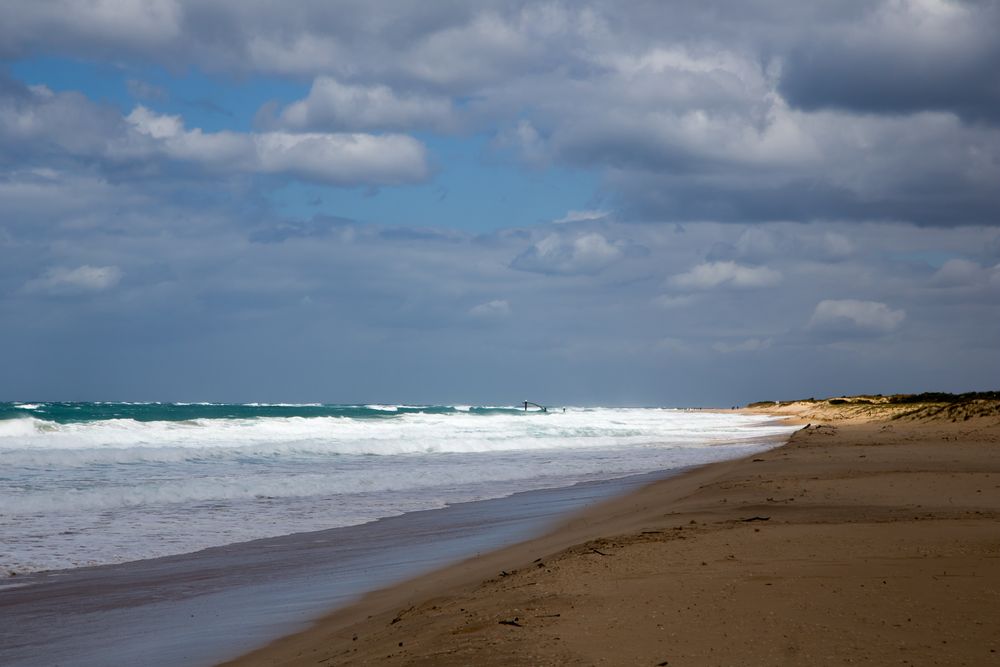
(872, 537)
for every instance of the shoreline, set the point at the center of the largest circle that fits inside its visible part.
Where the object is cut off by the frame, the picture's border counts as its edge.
(253, 592)
(762, 560)
(568, 530)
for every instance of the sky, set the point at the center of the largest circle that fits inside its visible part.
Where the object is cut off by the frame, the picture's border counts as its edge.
(574, 203)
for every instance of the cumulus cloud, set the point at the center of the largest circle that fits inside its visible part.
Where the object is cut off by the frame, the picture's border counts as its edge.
(669, 301)
(957, 273)
(709, 275)
(86, 278)
(343, 159)
(747, 345)
(417, 298)
(586, 215)
(904, 56)
(332, 105)
(759, 244)
(331, 158)
(524, 139)
(758, 115)
(136, 25)
(491, 310)
(39, 126)
(555, 254)
(143, 90)
(695, 111)
(851, 315)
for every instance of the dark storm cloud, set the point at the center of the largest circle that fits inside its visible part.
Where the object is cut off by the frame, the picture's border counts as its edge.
(925, 56)
(942, 202)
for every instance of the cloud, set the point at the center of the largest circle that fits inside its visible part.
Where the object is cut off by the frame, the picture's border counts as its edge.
(331, 158)
(901, 57)
(669, 301)
(491, 310)
(586, 254)
(523, 138)
(197, 296)
(143, 90)
(759, 244)
(703, 112)
(958, 273)
(747, 345)
(709, 275)
(854, 316)
(343, 159)
(39, 127)
(100, 26)
(42, 127)
(332, 105)
(61, 280)
(587, 215)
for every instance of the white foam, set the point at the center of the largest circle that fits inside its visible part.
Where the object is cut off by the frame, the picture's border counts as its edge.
(274, 405)
(29, 441)
(122, 489)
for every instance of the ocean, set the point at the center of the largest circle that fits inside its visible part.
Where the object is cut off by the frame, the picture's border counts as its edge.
(85, 484)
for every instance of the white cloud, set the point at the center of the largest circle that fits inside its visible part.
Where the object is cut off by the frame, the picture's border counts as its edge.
(337, 106)
(689, 114)
(298, 52)
(158, 126)
(959, 273)
(84, 278)
(525, 140)
(837, 245)
(491, 310)
(373, 294)
(332, 158)
(715, 274)
(144, 90)
(846, 315)
(670, 301)
(344, 159)
(586, 254)
(582, 216)
(140, 24)
(674, 345)
(748, 345)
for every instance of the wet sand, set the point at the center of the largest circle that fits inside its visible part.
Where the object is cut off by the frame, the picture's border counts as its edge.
(203, 607)
(872, 537)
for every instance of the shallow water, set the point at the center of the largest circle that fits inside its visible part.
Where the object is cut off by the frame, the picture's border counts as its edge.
(201, 608)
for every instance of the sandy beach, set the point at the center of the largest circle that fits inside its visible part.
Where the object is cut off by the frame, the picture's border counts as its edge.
(872, 537)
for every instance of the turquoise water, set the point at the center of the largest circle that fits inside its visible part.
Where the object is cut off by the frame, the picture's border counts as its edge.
(69, 412)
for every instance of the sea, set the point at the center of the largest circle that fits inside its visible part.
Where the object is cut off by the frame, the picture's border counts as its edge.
(84, 484)
(185, 534)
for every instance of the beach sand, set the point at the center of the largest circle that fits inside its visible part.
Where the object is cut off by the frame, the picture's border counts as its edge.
(872, 537)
